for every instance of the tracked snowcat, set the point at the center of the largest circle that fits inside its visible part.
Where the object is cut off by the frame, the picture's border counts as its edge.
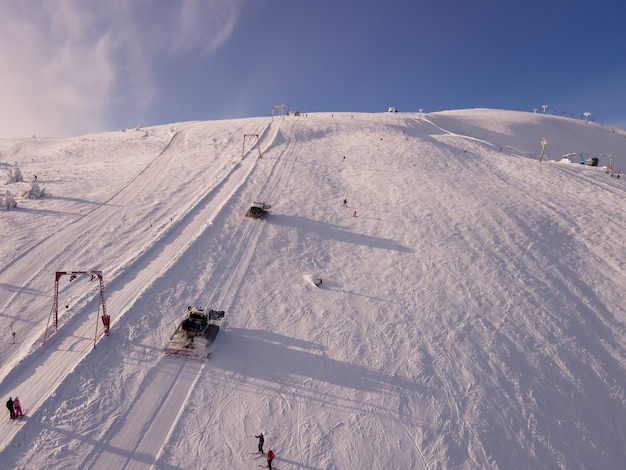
(258, 210)
(195, 334)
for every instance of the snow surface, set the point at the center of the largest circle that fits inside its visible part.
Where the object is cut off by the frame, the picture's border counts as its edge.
(471, 316)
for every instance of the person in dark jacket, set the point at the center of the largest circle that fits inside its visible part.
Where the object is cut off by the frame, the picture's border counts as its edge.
(261, 442)
(270, 457)
(10, 407)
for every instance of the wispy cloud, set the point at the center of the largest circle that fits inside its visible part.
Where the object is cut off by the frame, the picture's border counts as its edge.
(72, 67)
(206, 25)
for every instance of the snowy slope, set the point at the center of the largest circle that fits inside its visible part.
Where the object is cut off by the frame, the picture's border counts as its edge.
(471, 314)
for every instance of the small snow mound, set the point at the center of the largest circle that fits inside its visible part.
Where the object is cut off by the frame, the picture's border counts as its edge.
(14, 175)
(35, 191)
(9, 201)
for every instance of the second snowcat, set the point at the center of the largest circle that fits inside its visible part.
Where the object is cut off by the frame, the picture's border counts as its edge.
(258, 210)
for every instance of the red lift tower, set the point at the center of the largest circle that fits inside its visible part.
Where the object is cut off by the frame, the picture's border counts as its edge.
(54, 312)
(282, 109)
(254, 137)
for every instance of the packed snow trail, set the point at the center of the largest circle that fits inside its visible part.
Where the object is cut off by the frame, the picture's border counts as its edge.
(220, 288)
(65, 349)
(58, 251)
(162, 399)
(140, 429)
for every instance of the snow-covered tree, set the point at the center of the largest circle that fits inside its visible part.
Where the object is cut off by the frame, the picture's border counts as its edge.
(14, 175)
(35, 191)
(9, 202)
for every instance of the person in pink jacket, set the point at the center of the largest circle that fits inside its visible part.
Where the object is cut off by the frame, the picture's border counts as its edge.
(17, 407)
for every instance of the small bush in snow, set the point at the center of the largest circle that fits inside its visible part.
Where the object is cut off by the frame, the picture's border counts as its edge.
(14, 175)
(35, 191)
(9, 202)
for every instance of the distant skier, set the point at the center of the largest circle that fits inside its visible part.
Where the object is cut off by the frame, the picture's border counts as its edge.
(345, 203)
(354, 215)
(270, 457)
(11, 409)
(261, 442)
(318, 282)
(17, 407)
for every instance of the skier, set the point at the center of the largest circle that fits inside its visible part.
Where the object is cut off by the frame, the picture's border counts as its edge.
(261, 442)
(10, 407)
(318, 282)
(354, 215)
(270, 457)
(17, 407)
(345, 203)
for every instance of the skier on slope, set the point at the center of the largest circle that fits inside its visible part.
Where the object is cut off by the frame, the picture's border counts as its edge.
(261, 442)
(270, 457)
(11, 409)
(17, 407)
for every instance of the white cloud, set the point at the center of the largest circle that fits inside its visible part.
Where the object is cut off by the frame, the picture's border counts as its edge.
(69, 65)
(206, 24)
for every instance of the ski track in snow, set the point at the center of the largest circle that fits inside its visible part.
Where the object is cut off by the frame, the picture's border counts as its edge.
(469, 316)
(78, 343)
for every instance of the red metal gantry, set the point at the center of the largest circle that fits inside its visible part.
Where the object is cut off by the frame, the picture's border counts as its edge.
(54, 312)
(243, 145)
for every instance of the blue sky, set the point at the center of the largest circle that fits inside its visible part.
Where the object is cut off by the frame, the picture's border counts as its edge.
(74, 67)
